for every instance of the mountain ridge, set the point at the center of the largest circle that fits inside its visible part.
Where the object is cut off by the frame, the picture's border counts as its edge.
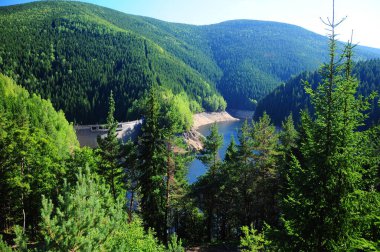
(79, 52)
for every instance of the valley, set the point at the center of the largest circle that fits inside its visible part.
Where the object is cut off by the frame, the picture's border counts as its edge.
(77, 53)
(121, 132)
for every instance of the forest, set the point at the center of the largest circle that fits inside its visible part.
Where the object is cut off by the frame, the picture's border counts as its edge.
(310, 188)
(290, 98)
(75, 54)
(312, 184)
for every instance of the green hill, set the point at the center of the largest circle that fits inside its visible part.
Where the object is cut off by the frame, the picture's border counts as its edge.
(75, 53)
(291, 97)
(69, 53)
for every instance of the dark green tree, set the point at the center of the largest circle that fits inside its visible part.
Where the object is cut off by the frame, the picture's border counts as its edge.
(152, 166)
(209, 155)
(288, 138)
(109, 152)
(264, 186)
(208, 184)
(325, 180)
(232, 151)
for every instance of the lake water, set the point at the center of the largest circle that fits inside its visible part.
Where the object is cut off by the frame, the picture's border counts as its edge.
(228, 130)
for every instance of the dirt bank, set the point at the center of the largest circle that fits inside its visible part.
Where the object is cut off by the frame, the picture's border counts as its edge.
(205, 118)
(193, 137)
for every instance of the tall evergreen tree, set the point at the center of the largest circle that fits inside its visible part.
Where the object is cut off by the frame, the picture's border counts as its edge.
(318, 208)
(245, 174)
(152, 167)
(265, 173)
(210, 152)
(208, 184)
(110, 154)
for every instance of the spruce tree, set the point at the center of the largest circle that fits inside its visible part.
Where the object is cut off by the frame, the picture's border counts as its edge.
(245, 174)
(211, 144)
(328, 172)
(110, 154)
(265, 172)
(152, 167)
(208, 184)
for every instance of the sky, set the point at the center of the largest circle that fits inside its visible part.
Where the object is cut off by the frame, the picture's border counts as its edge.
(363, 16)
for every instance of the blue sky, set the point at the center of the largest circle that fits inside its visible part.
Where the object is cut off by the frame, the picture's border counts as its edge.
(363, 15)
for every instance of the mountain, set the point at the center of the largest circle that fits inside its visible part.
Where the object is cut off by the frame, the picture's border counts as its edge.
(291, 97)
(69, 53)
(75, 53)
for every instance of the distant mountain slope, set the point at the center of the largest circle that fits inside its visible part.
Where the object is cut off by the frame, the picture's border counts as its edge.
(68, 52)
(291, 97)
(76, 53)
(256, 56)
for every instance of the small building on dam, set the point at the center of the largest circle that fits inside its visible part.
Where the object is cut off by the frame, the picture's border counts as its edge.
(88, 134)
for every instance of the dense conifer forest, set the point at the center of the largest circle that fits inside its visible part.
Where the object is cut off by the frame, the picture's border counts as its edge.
(75, 53)
(291, 98)
(314, 187)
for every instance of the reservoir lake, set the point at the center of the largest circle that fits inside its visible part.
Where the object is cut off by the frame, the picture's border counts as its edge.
(228, 130)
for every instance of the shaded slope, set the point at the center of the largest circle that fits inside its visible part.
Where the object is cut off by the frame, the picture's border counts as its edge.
(256, 56)
(291, 97)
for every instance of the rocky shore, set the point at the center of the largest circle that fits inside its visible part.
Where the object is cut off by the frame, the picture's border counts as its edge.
(193, 137)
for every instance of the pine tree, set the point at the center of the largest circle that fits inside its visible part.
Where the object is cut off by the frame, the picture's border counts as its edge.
(208, 183)
(244, 170)
(152, 166)
(288, 147)
(265, 174)
(87, 218)
(110, 154)
(232, 151)
(323, 181)
(211, 144)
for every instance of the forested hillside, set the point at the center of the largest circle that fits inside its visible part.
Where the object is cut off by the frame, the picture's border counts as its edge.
(291, 96)
(75, 54)
(68, 53)
(34, 142)
(315, 187)
(44, 173)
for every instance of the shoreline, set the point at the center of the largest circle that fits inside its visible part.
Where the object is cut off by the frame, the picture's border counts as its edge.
(87, 134)
(193, 137)
(205, 118)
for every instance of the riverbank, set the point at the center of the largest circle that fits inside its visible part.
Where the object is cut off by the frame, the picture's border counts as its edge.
(88, 134)
(193, 137)
(205, 118)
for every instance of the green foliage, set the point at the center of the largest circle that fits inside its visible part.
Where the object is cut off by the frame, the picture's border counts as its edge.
(109, 152)
(254, 62)
(325, 181)
(207, 185)
(35, 140)
(21, 240)
(57, 49)
(252, 240)
(87, 218)
(80, 159)
(61, 56)
(214, 103)
(175, 244)
(177, 116)
(161, 161)
(4, 246)
(211, 145)
(291, 97)
(264, 186)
